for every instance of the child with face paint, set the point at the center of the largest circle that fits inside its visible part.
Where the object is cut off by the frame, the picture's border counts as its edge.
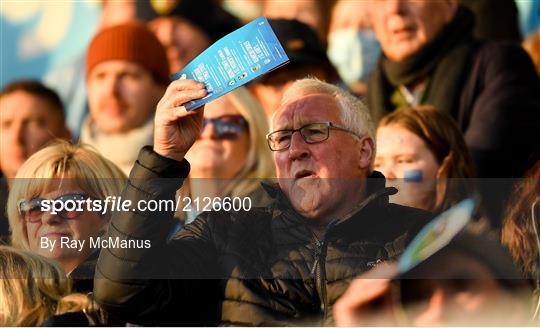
(422, 153)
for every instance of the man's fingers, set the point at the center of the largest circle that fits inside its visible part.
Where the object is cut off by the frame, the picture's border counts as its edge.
(182, 85)
(182, 97)
(178, 98)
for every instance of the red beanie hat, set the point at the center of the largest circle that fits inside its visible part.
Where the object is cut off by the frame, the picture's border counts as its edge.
(131, 42)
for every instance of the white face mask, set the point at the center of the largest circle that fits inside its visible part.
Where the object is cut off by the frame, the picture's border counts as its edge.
(354, 53)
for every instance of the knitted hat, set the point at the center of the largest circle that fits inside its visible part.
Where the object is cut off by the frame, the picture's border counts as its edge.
(131, 42)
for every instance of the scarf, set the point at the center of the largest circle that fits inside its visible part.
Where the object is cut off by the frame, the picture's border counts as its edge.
(121, 149)
(443, 61)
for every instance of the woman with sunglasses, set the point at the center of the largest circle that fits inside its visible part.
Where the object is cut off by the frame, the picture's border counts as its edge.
(230, 156)
(65, 174)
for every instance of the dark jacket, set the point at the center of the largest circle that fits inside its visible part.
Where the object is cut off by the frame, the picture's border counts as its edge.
(490, 88)
(257, 267)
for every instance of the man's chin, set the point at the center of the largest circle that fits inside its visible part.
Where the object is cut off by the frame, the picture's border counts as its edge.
(307, 202)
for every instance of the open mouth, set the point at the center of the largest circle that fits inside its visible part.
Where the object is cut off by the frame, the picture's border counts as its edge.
(304, 174)
(403, 32)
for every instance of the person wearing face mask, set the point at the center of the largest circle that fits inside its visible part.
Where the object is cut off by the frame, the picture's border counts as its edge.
(422, 152)
(352, 45)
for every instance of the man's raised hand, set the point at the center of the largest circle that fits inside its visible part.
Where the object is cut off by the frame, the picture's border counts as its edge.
(175, 129)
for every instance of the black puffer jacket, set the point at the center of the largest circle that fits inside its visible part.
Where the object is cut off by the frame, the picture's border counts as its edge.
(262, 267)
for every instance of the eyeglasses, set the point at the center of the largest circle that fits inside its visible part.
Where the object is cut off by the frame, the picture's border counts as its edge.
(227, 126)
(311, 133)
(32, 210)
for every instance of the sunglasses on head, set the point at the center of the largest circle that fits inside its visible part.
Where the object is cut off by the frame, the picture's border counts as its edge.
(227, 126)
(33, 209)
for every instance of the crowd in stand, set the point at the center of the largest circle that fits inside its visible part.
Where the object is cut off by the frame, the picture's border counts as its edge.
(389, 113)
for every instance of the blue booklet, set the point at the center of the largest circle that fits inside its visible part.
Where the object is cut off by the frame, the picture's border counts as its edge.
(436, 234)
(234, 60)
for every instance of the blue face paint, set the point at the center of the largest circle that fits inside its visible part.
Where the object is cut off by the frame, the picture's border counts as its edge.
(413, 175)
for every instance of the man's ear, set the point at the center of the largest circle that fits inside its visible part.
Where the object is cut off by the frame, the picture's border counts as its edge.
(367, 151)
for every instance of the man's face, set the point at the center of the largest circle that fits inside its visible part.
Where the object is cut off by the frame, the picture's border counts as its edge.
(322, 180)
(27, 123)
(403, 27)
(121, 95)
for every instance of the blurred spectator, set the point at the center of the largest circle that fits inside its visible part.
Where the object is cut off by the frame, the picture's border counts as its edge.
(31, 115)
(470, 282)
(532, 46)
(494, 20)
(245, 10)
(33, 288)
(521, 230)
(352, 45)
(182, 40)
(491, 89)
(69, 79)
(125, 82)
(231, 155)
(422, 153)
(307, 57)
(206, 15)
(186, 28)
(62, 172)
(314, 13)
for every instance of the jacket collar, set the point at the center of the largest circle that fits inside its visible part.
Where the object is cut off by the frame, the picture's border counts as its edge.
(376, 195)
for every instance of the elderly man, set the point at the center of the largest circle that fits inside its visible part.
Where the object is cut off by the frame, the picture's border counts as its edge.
(489, 88)
(283, 264)
(126, 75)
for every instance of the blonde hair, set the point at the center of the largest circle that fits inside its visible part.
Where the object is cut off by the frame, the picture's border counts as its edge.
(32, 289)
(354, 113)
(95, 175)
(259, 163)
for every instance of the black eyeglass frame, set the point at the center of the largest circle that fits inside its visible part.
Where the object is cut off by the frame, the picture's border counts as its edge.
(300, 129)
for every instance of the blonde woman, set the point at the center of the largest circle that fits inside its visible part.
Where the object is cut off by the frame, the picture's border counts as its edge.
(62, 173)
(33, 288)
(231, 155)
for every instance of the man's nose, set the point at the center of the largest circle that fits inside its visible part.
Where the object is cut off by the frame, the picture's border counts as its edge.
(17, 133)
(113, 85)
(299, 148)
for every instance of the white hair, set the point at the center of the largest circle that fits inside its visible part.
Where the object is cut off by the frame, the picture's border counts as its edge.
(354, 113)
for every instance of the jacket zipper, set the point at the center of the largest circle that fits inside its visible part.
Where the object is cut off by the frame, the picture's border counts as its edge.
(319, 273)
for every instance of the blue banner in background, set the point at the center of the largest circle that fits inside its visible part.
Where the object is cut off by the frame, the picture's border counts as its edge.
(38, 37)
(234, 60)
